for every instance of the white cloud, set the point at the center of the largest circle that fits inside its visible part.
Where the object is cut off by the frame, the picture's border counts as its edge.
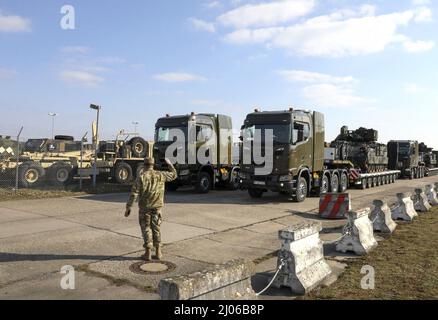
(212, 4)
(343, 33)
(423, 14)
(325, 90)
(413, 88)
(75, 49)
(418, 46)
(420, 2)
(202, 25)
(81, 77)
(177, 77)
(266, 14)
(313, 77)
(7, 73)
(14, 24)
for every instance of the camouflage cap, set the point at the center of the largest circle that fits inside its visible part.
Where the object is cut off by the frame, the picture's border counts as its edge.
(149, 162)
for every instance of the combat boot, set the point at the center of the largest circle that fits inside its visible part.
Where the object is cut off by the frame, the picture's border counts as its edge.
(158, 253)
(147, 255)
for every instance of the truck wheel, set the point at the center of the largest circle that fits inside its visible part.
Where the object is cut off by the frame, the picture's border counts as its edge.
(301, 192)
(363, 184)
(123, 173)
(412, 175)
(234, 182)
(139, 147)
(255, 193)
(203, 184)
(343, 185)
(171, 187)
(325, 185)
(379, 181)
(31, 175)
(60, 174)
(139, 170)
(369, 183)
(334, 185)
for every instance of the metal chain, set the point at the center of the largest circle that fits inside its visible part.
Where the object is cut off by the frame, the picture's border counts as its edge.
(283, 262)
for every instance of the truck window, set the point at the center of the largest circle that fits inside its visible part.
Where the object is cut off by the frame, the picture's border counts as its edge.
(204, 132)
(301, 132)
(167, 134)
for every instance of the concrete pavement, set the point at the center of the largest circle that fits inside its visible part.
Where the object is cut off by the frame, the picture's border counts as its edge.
(38, 237)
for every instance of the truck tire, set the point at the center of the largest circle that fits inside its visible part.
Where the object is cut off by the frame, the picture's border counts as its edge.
(301, 193)
(203, 184)
(139, 147)
(123, 173)
(343, 183)
(363, 184)
(31, 175)
(325, 185)
(334, 184)
(255, 193)
(139, 169)
(60, 174)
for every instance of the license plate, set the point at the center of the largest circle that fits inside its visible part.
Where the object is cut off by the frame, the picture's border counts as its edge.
(260, 183)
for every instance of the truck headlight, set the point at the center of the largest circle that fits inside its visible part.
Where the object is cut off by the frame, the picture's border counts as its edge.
(184, 172)
(285, 178)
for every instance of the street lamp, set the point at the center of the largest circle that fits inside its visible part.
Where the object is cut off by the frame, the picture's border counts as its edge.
(96, 138)
(53, 115)
(135, 123)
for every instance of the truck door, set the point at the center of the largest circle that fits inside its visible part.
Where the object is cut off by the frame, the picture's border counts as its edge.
(302, 142)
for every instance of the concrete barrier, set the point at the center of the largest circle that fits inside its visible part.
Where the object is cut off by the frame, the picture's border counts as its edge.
(334, 205)
(421, 203)
(404, 208)
(431, 195)
(358, 236)
(302, 253)
(381, 217)
(231, 280)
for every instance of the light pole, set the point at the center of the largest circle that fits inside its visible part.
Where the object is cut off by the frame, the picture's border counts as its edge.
(135, 123)
(53, 115)
(97, 108)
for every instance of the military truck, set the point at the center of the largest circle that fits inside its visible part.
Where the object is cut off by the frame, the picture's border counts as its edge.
(209, 132)
(302, 164)
(404, 155)
(428, 157)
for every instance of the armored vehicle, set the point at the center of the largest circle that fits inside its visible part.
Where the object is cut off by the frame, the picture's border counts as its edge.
(202, 147)
(404, 155)
(301, 164)
(361, 148)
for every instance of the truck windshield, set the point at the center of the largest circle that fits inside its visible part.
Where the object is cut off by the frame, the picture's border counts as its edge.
(281, 132)
(34, 145)
(404, 149)
(168, 134)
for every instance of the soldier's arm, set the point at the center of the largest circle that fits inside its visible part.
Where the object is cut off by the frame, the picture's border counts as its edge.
(171, 174)
(135, 191)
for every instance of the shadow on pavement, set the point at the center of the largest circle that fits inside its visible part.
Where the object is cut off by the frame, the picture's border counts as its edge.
(16, 257)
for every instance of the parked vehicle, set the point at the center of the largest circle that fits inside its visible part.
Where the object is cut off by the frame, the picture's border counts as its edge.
(404, 155)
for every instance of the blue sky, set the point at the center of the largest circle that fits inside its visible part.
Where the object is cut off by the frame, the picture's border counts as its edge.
(362, 63)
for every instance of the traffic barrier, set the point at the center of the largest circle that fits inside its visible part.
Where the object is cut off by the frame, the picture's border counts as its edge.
(302, 257)
(358, 235)
(431, 195)
(404, 208)
(421, 203)
(231, 280)
(381, 217)
(334, 205)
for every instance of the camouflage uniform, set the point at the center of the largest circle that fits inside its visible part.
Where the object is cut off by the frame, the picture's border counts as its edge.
(149, 189)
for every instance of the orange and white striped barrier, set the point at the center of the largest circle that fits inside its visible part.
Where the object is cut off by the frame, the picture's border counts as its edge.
(334, 205)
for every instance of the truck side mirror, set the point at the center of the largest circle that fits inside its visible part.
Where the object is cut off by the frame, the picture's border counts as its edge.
(241, 138)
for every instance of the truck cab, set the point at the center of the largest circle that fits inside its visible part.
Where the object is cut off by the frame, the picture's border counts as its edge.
(404, 156)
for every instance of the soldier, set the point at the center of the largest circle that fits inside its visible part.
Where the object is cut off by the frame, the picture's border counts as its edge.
(149, 188)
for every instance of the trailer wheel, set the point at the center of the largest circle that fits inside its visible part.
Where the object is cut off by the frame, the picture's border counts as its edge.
(255, 193)
(30, 175)
(301, 193)
(343, 185)
(369, 183)
(123, 173)
(203, 184)
(139, 147)
(60, 174)
(334, 185)
(379, 181)
(325, 185)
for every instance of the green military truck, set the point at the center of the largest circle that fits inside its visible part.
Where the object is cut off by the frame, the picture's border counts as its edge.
(210, 133)
(404, 155)
(301, 162)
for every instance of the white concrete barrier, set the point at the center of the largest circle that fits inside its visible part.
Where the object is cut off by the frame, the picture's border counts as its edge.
(381, 217)
(404, 208)
(431, 195)
(358, 236)
(421, 203)
(303, 257)
(231, 280)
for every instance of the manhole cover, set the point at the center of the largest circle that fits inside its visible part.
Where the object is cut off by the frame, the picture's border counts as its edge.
(152, 267)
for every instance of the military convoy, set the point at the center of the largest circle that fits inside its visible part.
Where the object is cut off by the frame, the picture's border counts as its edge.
(210, 135)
